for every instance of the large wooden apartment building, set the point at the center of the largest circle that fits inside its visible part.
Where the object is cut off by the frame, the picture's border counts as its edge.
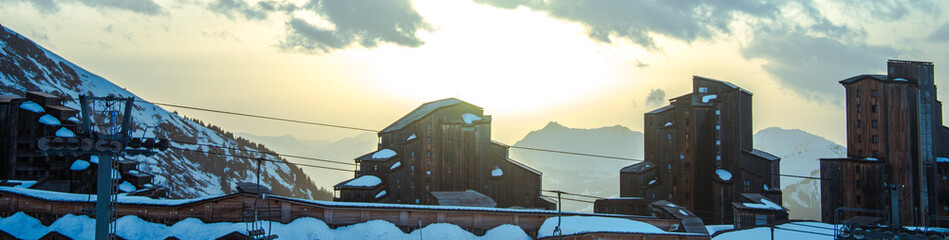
(895, 137)
(440, 152)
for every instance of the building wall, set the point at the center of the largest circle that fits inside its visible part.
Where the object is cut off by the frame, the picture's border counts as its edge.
(851, 183)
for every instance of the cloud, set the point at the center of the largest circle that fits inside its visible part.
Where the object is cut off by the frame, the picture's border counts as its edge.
(656, 98)
(45, 6)
(239, 8)
(147, 7)
(941, 34)
(811, 66)
(636, 20)
(367, 22)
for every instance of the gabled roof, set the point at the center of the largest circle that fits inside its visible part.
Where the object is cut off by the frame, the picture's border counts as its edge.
(762, 154)
(468, 198)
(862, 76)
(638, 168)
(662, 109)
(757, 202)
(421, 112)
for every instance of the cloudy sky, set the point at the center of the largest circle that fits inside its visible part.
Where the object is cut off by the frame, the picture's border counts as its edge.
(583, 63)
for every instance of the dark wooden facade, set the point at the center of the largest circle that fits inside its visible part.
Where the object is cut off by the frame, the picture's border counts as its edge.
(692, 138)
(754, 210)
(438, 149)
(893, 119)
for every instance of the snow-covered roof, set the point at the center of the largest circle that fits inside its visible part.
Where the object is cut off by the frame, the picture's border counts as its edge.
(723, 174)
(871, 159)
(49, 120)
(381, 194)
(757, 202)
(470, 118)
(497, 172)
(668, 124)
(364, 181)
(32, 107)
(395, 165)
(468, 198)
(942, 159)
(126, 186)
(662, 109)
(863, 76)
(94, 159)
(571, 225)
(63, 132)
(900, 80)
(638, 168)
(410, 138)
(385, 153)
(763, 154)
(79, 165)
(419, 113)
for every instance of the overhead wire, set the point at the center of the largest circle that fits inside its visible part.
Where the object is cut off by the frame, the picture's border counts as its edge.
(263, 159)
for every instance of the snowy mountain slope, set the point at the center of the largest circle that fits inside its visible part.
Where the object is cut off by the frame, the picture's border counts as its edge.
(344, 150)
(799, 152)
(26, 66)
(580, 174)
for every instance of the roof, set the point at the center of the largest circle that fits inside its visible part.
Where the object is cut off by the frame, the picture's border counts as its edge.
(662, 109)
(8, 98)
(468, 198)
(850, 159)
(499, 143)
(862, 76)
(525, 167)
(638, 168)
(762, 154)
(420, 112)
(361, 182)
(371, 156)
(728, 84)
(757, 202)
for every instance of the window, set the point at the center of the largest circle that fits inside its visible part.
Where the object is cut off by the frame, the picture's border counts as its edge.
(858, 108)
(682, 156)
(859, 138)
(428, 140)
(670, 136)
(873, 93)
(429, 126)
(875, 139)
(761, 220)
(875, 123)
(428, 154)
(876, 153)
(703, 89)
(858, 92)
(859, 123)
(747, 183)
(873, 108)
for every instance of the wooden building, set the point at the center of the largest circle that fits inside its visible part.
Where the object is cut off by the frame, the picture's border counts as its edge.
(756, 210)
(443, 146)
(894, 136)
(24, 120)
(699, 153)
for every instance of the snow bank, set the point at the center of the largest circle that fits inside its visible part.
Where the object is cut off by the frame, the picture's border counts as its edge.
(23, 226)
(63, 132)
(49, 120)
(385, 153)
(576, 225)
(470, 118)
(32, 107)
(787, 231)
(365, 181)
(410, 137)
(79, 165)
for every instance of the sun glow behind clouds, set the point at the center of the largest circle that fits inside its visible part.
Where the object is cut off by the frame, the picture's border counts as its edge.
(512, 61)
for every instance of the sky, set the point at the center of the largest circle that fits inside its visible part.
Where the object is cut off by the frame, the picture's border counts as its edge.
(582, 63)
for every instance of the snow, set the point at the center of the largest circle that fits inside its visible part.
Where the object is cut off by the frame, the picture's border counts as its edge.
(871, 159)
(396, 165)
(380, 194)
(73, 119)
(410, 137)
(723, 174)
(428, 172)
(578, 224)
(126, 187)
(133, 172)
(63, 132)
(497, 172)
(385, 153)
(79, 165)
(683, 212)
(22, 183)
(470, 118)
(651, 182)
(707, 98)
(787, 231)
(32, 107)
(116, 174)
(94, 159)
(765, 204)
(365, 181)
(671, 205)
(668, 124)
(942, 159)
(712, 229)
(49, 120)
(23, 226)
(74, 197)
(899, 80)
